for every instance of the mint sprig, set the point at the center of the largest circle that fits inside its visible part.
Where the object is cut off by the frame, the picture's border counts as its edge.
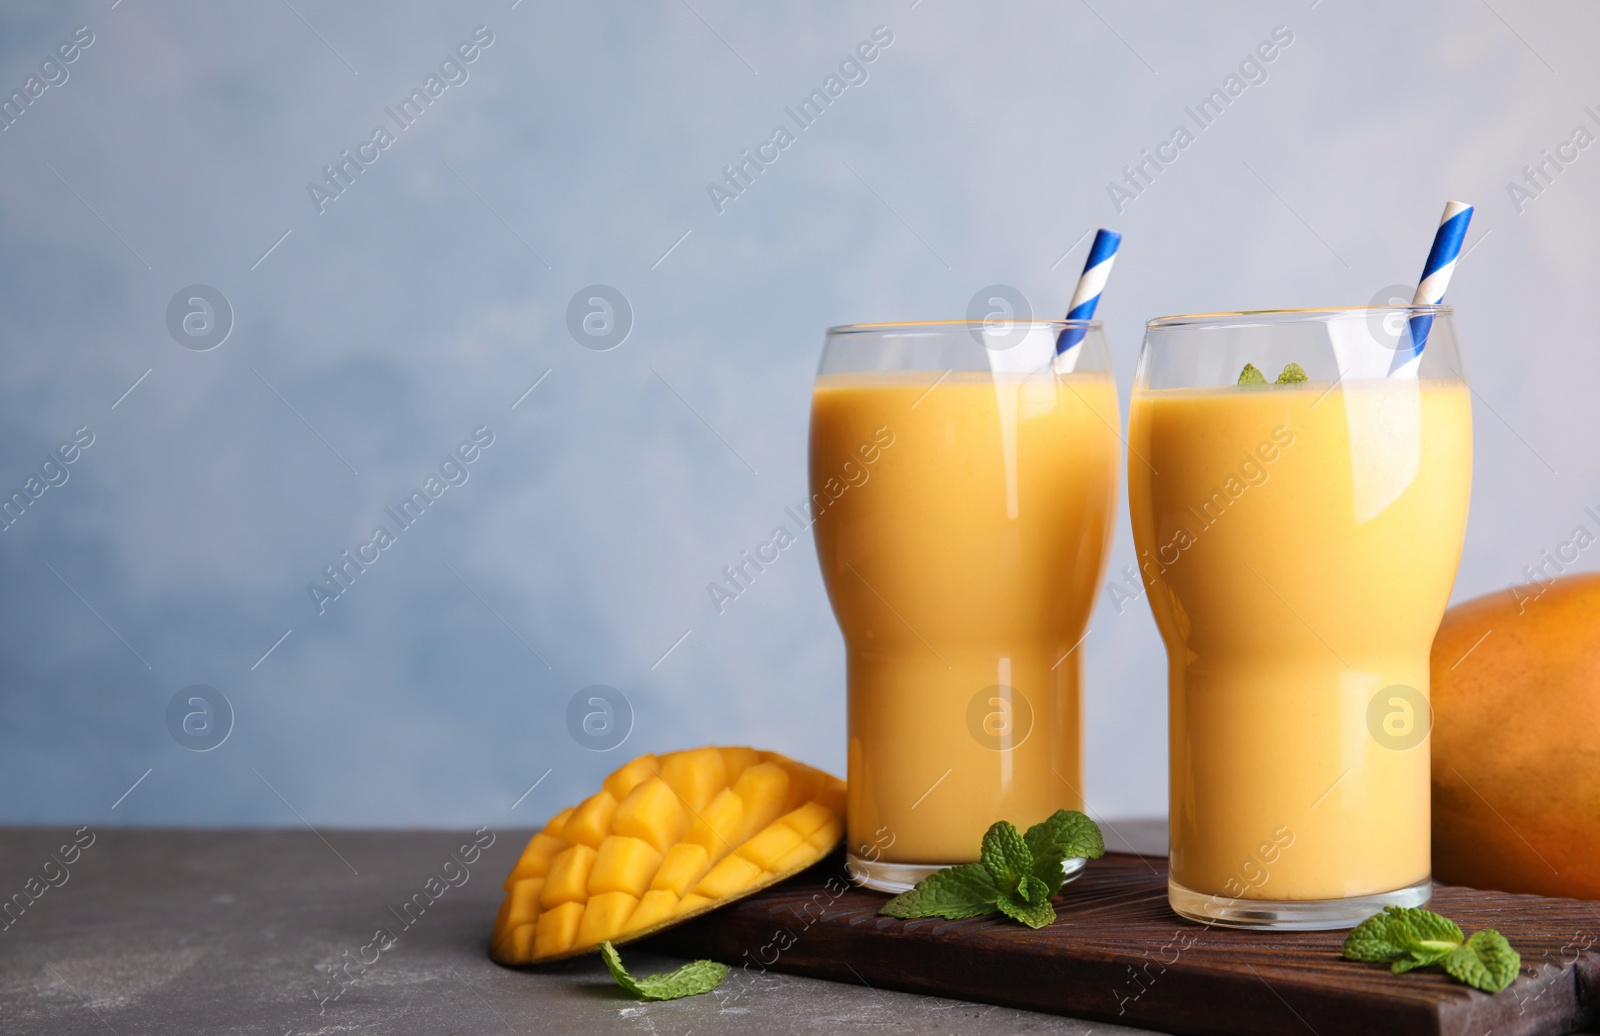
(1291, 374)
(1017, 874)
(1410, 937)
(701, 976)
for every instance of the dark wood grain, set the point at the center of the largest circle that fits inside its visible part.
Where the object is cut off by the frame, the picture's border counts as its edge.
(1117, 952)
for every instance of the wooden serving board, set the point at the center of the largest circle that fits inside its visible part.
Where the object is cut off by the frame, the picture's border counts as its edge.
(1118, 953)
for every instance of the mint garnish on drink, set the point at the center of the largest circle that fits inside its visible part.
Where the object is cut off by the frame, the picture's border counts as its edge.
(1251, 376)
(701, 976)
(1017, 874)
(1291, 374)
(1410, 937)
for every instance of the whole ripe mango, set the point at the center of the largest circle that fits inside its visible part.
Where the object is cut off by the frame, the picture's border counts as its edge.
(1516, 740)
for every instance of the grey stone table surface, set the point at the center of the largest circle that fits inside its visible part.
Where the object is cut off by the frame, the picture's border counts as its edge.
(129, 930)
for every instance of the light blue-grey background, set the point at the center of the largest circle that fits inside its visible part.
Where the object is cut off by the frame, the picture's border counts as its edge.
(428, 298)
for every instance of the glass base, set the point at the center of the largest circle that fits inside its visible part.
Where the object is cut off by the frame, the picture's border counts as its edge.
(900, 877)
(1292, 915)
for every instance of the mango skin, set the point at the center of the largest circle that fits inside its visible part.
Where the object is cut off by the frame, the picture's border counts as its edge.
(1516, 740)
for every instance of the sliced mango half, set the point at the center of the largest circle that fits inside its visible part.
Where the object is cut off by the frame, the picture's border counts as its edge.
(666, 838)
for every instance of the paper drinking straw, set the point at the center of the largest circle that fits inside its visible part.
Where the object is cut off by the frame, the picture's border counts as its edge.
(1096, 269)
(1435, 278)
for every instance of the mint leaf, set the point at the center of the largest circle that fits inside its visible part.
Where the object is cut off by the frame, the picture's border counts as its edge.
(1407, 938)
(1033, 891)
(1418, 959)
(1034, 915)
(701, 976)
(1064, 835)
(1426, 926)
(1399, 931)
(1292, 373)
(1373, 943)
(1486, 962)
(953, 893)
(1006, 855)
(1251, 376)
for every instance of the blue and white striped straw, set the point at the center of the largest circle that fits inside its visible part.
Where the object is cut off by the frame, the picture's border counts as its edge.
(1435, 279)
(1091, 284)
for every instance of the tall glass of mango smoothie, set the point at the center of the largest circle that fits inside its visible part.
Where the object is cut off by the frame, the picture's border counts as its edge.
(963, 481)
(1298, 513)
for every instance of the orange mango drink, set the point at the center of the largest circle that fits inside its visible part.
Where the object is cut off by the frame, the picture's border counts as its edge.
(1299, 544)
(962, 569)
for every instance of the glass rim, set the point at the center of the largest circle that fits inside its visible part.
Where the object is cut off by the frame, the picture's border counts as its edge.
(1273, 316)
(940, 325)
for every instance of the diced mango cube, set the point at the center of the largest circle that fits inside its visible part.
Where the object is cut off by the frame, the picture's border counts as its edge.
(803, 855)
(690, 903)
(628, 777)
(770, 846)
(807, 818)
(762, 788)
(591, 821)
(804, 783)
(731, 875)
(524, 900)
(522, 938)
(559, 821)
(695, 775)
(556, 929)
(624, 864)
(656, 906)
(685, 864)
(535, 859)
(499, 942)
(717, 827)
(832, 796)
(826, 836)
(604, 917)
(738, 760)
(653, 813)
(568, 880)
